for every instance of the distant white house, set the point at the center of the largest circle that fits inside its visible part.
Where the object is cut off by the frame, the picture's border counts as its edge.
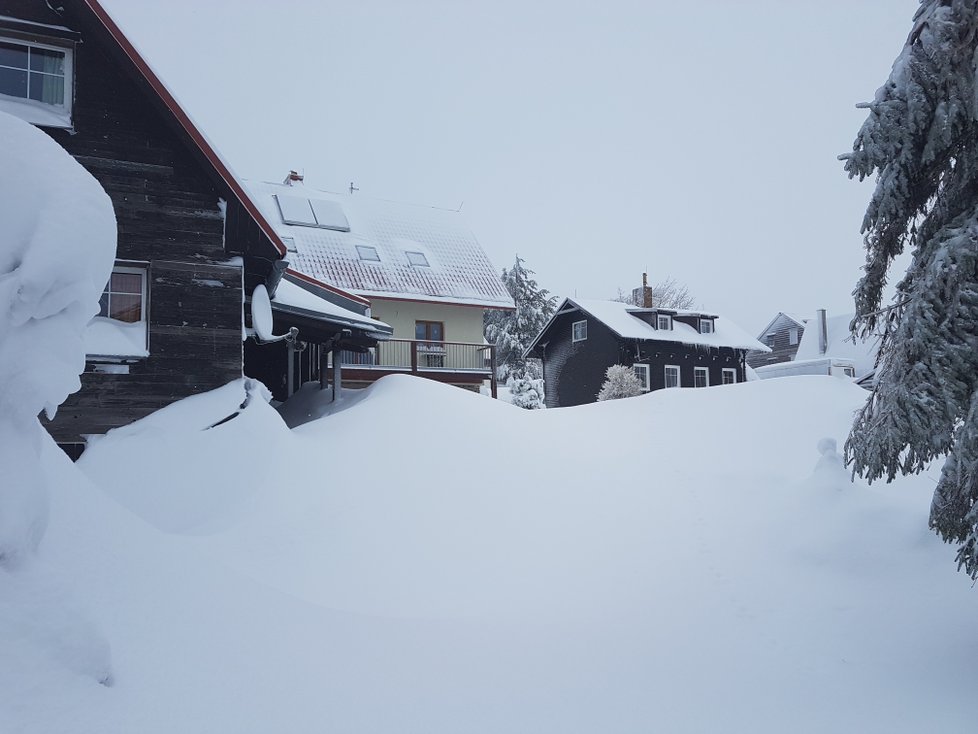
(828, 348)
(421, 268)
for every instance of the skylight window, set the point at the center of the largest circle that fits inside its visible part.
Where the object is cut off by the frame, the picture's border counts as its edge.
(418, 259)
(289, 243)
(366, 252)
(312, 213)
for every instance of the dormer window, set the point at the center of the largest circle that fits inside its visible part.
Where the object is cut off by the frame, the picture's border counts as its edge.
(663, 322)
(35, 82)
(417, 259)
(706, 326)
(366, 252)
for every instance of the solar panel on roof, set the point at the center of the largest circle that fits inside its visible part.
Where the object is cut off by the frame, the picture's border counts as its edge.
(329, 215)
(295, 210)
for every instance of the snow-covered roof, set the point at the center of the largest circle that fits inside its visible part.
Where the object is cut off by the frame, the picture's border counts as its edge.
(840, 344)
(292, 296)
(405, 251)
(621, 318)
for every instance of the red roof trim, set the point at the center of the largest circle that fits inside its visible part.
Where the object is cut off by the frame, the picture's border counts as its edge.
(326, 286)
(185, 122)
(443, 303)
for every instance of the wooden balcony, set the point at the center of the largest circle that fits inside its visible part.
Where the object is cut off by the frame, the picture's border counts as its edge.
(457, 363)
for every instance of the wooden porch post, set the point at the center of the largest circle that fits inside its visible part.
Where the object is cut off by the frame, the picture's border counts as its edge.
(493, 386)
(290, 377)
(337, 372)
(414, 357)
(322, 367)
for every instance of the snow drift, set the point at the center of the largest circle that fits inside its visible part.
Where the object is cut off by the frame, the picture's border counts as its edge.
(422, 558)
(57, 245)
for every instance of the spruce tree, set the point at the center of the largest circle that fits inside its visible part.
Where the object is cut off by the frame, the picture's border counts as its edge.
(921, 142)
(513, 331)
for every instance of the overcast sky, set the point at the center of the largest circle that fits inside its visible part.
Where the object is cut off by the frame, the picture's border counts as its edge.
(598, 140)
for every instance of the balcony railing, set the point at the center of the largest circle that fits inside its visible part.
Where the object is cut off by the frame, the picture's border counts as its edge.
(437, 359)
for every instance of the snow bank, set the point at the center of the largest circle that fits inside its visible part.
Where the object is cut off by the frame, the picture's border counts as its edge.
(57, 245)
(422, 558)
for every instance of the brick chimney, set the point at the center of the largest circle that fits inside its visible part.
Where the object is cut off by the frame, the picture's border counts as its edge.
(293, 177)
(642, 297)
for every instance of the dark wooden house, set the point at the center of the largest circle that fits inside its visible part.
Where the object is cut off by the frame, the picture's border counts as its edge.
(782, 337)
(666, 348)
(192, 246)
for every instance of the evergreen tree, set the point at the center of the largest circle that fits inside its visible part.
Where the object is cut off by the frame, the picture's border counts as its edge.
(513, 331)
(921, 141)
(620, 382)
(526, 391)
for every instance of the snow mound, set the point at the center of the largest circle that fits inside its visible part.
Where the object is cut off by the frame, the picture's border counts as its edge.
(57, 245)
(427, 559)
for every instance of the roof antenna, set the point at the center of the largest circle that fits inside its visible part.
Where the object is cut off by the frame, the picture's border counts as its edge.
(353, 188)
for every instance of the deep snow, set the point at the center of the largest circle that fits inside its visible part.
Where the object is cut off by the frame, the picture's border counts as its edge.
(426, 559)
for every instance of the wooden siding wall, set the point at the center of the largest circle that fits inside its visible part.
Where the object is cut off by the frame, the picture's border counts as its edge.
(574, 371)
(167, 209)
(782, 350)
(687, 357)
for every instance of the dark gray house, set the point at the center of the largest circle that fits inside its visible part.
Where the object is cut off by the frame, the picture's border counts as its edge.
(666, 348)
(782, 337)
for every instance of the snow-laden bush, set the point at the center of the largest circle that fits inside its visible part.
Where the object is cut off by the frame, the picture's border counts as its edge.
(526, 392)
(620, 382)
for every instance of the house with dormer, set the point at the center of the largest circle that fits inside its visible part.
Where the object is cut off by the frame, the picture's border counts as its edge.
(422, 269)
(666, 348)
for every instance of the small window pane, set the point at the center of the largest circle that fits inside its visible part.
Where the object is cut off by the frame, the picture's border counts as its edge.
(126, 308)
(329, 215)
(295, 210)
(701, 377)
(665, 323)
(366, 252)
(13, 54)
(48, 61)
(420, 331)
(706, 326)
(48, 89)
(127, 283)
(435, 331)
(672, 377)
(418, 258)
(13, 82)
(579, 331)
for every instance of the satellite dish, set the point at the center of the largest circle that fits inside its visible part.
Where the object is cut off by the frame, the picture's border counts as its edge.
(261, 315)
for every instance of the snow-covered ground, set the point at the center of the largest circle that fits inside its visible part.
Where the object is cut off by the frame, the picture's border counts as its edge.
(425, 559)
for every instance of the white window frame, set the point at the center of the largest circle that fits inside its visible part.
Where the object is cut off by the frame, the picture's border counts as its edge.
(679, 375)
(701, 371)
(849, 372)
(668, 322)
(143, 311)
(40, 113)
(643, 372)
(793, 335)
(574, 337)
(728, 371)
(710, 326)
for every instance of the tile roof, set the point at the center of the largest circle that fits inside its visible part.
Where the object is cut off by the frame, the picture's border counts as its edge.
(458, 272)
